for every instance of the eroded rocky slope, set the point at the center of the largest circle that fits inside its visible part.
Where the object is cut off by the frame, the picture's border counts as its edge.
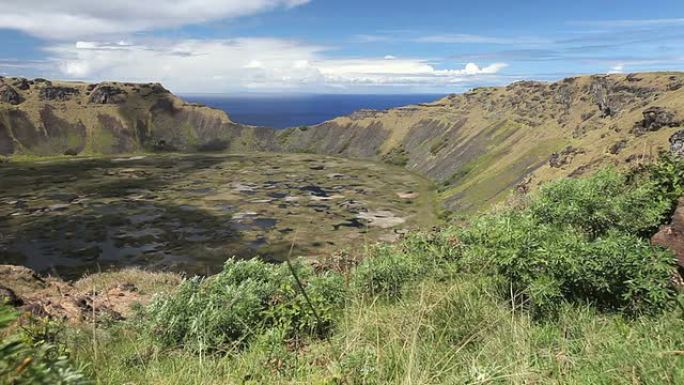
(476, 146)
(480, 145)
(42, 117)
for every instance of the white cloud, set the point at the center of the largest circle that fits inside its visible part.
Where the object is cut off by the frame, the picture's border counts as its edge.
(65, 19)
(617, 69)
(250, 64)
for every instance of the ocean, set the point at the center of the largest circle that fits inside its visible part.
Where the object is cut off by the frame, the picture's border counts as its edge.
(301, 110)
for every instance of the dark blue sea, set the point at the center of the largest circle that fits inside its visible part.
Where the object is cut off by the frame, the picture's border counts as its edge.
(300, 110)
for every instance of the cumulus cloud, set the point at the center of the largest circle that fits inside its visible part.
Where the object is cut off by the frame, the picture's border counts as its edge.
(250, 64)
(65, 19)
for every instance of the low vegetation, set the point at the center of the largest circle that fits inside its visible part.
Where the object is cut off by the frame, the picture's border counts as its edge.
(558, 287)
(32, 355)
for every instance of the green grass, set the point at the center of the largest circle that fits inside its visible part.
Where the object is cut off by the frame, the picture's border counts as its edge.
(454, 331)
(561, 289)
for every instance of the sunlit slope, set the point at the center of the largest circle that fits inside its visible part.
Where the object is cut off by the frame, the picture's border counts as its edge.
(476, 146)
(41, 117)
(481, 144)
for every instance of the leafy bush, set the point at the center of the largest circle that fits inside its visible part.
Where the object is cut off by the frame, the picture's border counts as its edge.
(432, 246)
(34, 359)
(579, 241)
(601, 202)
(386, 271)
(397, 157)
(246, 299)
(667, 175)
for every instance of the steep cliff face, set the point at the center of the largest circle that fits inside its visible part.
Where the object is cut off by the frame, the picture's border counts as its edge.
(41, 117)
(479, 145)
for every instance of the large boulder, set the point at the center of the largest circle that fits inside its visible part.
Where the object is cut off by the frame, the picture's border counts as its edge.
(677, 143)
(656, 118)
(672, 236)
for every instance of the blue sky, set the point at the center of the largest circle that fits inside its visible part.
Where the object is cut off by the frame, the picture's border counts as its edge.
(324, 46)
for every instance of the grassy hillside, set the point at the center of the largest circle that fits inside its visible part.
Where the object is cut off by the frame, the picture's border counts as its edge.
(46, 118)
(477, 146)
(560, 287)
(482, 144)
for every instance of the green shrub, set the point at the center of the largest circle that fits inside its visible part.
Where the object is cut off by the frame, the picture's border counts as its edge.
(360, 367)
(290, 310)
(546, 265)
(601, 202)
(667, 175)
(27, 358)
(396, 156)
(386, 271)
(431, 246)
(243, 301)
(578, 241)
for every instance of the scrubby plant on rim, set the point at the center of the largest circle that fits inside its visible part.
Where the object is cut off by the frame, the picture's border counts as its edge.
(579, 241)
(247, 298)
(28, 358)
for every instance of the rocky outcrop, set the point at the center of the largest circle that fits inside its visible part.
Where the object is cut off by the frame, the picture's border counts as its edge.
(560, 159)
(107, 94)
(111, 299)
(21, 84)
(672, 235)
(9, 95)
(617, 147)
(677, 143)
(612, 97)
(656, 118)
(58, 93)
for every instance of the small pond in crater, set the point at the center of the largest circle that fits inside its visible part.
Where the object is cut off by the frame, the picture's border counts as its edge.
(192, 212)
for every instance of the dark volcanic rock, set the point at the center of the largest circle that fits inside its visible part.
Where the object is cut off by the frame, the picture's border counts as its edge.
(57, 93)
(152, 89)
(21, 84)
(672, 236)
(8, 297)
(612, 96)
(560, 159)
(213, 145)
(677, 143)
(9, 95)
(161, 145)
(600, 93)
(633, 78)
(656, 118)
(617, 147)
(107, 94)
